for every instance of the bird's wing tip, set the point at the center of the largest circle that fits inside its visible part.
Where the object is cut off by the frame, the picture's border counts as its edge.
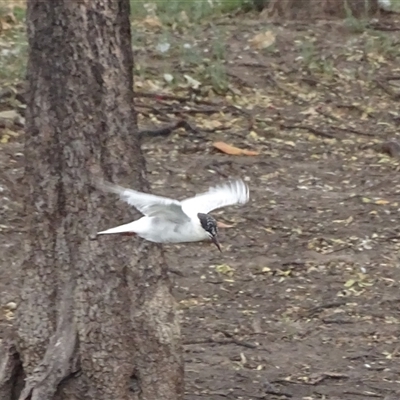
(109, 187)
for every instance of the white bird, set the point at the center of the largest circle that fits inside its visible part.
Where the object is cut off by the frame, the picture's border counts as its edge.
(171, 221)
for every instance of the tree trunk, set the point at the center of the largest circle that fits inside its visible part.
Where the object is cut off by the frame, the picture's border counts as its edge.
(96, 318)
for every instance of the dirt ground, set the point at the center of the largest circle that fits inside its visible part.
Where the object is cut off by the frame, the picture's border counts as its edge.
(304, 301)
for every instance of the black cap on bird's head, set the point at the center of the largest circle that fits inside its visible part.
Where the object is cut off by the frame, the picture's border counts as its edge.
(209, 224)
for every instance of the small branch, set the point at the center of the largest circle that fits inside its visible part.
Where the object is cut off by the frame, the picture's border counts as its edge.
(311, 129)
(229, 340)
(337, 321)
(180, 99)
(284, 89)
(317, 379)
(327, 114)
(321, 307)
(384, 27)
(172, 110)
(221, 342)
(386, 88)
(239, 342)
(167, 130)
(363, 394)
(352, 130)
(162, 97)
(276, 392)
(6, 93)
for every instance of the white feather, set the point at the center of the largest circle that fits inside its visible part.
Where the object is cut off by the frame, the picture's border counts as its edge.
(227, 194)
(148, 204)
(170, 221)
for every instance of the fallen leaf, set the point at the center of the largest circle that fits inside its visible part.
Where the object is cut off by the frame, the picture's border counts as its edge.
(349, 283)
(4, 139)
(9, 114)
(4, 26)
(224, 269)
(344, 221)
(279, 272)
(194, 83)
(7, 134)
(262, 40)
(309, 111)
(212, 124)
(168, 78)
(152, 21)
(183, 17)
(234, 151)
(382, 202)
(253, 135)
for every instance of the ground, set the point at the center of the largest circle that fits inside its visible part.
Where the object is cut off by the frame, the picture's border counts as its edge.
(304, 301)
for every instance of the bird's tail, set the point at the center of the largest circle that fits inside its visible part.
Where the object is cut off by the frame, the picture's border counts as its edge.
(120, 229)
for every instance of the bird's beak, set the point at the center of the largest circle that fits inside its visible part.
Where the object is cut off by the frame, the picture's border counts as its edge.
(214, 239)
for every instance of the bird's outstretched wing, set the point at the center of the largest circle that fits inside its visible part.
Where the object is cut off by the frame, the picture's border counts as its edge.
(229, 193)
(148, 204)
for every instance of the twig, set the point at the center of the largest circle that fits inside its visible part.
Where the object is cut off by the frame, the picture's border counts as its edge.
(317, 309)
(216, 393)
(379, 27)
(343, 129)
(337, 321)
(253, 65)
(388, 238)
(347, 246)
(367, 394)
(352, 130)
(221, 341)
(239, 342)
(276, 392)
(228, 340)
(6, 93)
(352, 197)
(167, 130)
(294, 96)
(351, 107)
(393, 78)
(311, 129)
(326, 114)
(213, 110)
(171, 110)
(326, 375)
(180, 99)
(210, 110)
(392, 93)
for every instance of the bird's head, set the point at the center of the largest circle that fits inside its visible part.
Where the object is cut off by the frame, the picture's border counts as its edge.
(209, 224)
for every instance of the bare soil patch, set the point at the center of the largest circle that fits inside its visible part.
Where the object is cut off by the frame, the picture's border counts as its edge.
(304, 302)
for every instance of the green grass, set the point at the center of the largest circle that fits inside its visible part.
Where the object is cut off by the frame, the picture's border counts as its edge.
(13, 56)
(195, 10)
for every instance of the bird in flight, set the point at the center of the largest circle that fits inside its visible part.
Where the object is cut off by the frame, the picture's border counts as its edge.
(167, 220)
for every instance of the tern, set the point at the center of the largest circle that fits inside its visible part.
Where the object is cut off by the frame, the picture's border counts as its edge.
(167, 220)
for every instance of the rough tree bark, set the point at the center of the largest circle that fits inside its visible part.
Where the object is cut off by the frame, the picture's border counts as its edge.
(96, 318)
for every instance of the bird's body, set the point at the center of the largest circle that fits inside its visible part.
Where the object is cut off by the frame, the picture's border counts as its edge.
(159, 230)
(171, 221)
